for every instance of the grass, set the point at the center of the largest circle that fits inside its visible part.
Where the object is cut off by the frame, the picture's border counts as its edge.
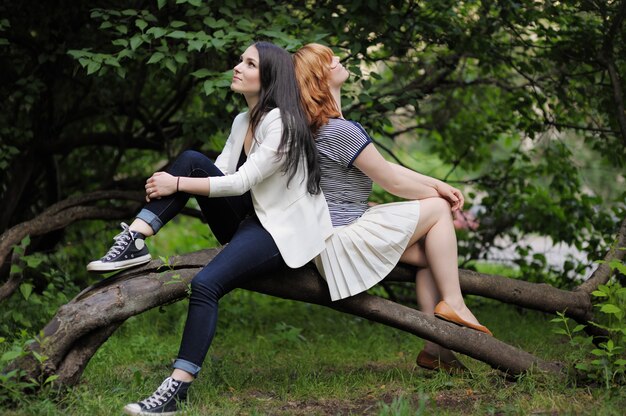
(277, 357)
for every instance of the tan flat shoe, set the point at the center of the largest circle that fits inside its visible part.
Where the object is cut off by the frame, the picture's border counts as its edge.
(445, 312)
(430, 362)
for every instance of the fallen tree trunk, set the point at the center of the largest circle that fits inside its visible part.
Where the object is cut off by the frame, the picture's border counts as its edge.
(81, 326)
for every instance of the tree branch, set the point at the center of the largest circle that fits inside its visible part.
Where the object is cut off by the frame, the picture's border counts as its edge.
(79, 327)
(59, 216)
(603, 273)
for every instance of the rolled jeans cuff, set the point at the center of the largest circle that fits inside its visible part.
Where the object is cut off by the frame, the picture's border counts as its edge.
(187, 366)
(151, 219)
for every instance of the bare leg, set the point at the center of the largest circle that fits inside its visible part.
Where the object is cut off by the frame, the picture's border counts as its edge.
(142, 227)
(427, 295)
(440, 246)
(182, 375)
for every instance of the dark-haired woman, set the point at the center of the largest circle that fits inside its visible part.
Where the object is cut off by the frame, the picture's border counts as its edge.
(261, 195)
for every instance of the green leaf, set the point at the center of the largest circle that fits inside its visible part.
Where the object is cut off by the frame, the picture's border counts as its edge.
(195, 45)
(616, 264)
(10, 355)
(177, 34)
(599, 294)
(141, 24)
(169, 64)
(120, 42)
(201, 73)
(218, 43)
(177, 23)
(33, 261)
(51, 379)
(26, 289)
(578, 328)
(196, 3)
(93, 66)
(156, 57)
(161, 3)
(15, 269)
(208, 87)
(41, 358)
(156, 32)
(609, 308)
(135, 41)
(181, 57)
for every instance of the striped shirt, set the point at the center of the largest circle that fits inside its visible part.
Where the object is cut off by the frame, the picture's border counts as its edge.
(345, 187)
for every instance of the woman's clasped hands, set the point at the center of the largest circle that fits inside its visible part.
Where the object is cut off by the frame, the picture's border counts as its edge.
(452, 195)
(160, 184)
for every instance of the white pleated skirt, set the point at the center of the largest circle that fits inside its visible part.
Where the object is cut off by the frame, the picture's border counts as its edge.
(361, 254)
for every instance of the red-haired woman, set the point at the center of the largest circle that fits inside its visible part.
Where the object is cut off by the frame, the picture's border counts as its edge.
(368, 242)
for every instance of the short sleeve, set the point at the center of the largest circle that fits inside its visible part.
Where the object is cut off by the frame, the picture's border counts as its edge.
(342, 141)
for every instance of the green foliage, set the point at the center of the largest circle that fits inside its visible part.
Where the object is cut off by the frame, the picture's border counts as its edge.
(601, 359)
(500, 98)
(44, 288)
(284, 333)
(14, 384)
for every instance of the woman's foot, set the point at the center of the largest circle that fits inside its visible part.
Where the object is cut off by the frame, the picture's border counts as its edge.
(444, 361)
(129, 250)
(164, 401)
(445, 311)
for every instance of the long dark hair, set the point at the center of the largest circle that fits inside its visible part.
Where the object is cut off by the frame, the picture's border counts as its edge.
(279, 88)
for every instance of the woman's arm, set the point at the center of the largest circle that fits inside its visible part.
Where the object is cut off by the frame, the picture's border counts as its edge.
(404, 182)
(260, 164)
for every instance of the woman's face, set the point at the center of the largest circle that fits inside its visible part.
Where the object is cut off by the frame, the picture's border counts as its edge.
(246, 77)
(337, 74)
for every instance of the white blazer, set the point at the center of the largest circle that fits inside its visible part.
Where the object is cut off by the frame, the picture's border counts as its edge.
(298, 221)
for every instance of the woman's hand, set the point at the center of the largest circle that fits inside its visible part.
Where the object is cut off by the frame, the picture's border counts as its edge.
(452, 195)
(160, 184)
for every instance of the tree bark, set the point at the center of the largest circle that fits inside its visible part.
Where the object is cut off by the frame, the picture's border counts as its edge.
(59, 216)
(80, 327)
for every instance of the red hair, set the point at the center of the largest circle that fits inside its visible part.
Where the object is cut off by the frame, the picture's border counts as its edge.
(312, 63)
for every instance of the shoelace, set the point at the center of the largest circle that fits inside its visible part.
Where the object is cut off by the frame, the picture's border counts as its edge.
(121, 241)
(161, 394)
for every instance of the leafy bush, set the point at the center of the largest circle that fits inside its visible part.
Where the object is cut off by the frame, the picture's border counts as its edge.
(603, 359)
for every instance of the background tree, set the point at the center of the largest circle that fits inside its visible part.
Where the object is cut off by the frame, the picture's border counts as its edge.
(519, 103)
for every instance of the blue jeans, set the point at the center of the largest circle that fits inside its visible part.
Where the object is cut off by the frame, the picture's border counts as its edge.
(250, 252)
